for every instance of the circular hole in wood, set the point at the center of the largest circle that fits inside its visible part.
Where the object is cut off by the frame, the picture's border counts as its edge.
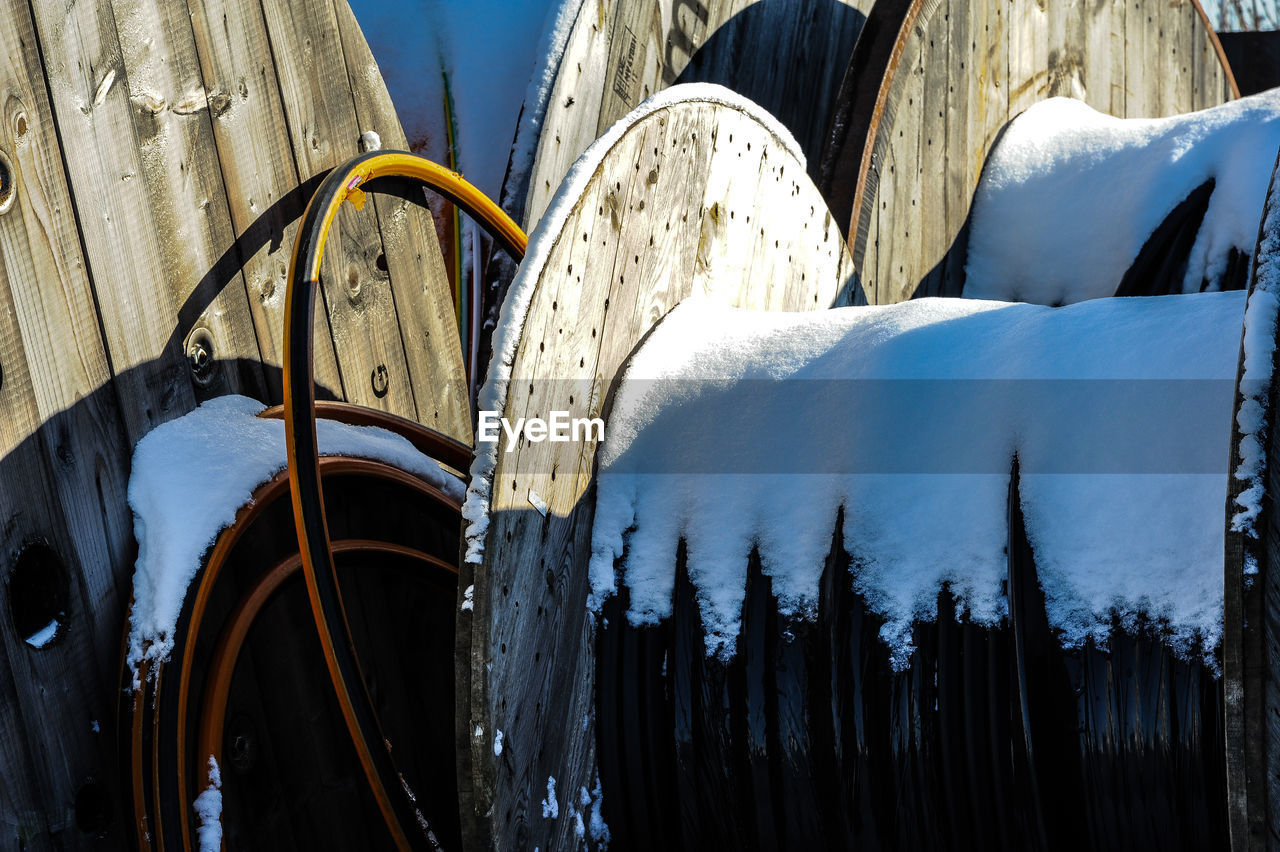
(199, 348)
(93, 808)
(8, 187)
(39, 592)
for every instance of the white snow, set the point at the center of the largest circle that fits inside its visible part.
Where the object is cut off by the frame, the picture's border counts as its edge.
(208, 806)
(550, 807)
(190, 477)
(44, 635)
(469, 602)
(497, 742)
(1070, 195)
(1255, 380)
(596, 825)
(1118, 410)
(370, 141)
(506, 336)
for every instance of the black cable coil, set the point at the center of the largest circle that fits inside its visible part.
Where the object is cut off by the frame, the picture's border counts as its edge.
(993, 738)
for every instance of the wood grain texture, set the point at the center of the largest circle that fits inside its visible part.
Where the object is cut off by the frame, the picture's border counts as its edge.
(63, 461)
(419, 281)
(787, 55)
(149, 148)
(693, 198)
(117, 201)
(325, 131)
(1126, 58)
(254, 152)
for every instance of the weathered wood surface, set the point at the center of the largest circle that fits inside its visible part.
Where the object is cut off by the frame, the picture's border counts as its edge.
(157, 153)
(428, 333)
(694, 198)
(1251, 587)
(932, 83)
(787, 55)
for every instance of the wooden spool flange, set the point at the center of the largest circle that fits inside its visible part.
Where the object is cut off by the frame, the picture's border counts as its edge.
(698, 193)
(787, 57)
(932, 83)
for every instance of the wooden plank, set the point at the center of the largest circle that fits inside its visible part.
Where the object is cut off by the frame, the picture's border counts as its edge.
(53, 303)
(21, 804)
(173, 135)
(1066, 41)
(958, 125)
(113, 197)
(1119, 59)
(937, 89)
(1177, 27)
(1200, 53)
(1213, 81)
(324, 132)
(906, 265)
(622, 51)
(256, 157)
(887, 200)
(1137, 73)
(1028, 54)
(1097, 55)
(988, 89)
(420, 287)
(63, 457)
(664, 215)
(61, 687)
(575, 104)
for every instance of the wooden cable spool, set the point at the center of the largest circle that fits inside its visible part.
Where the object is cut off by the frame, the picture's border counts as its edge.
(993, 738)
(787, 57)
(931, 84)
(154, 160)
(381, 515)
(167, 723)
(699, 195)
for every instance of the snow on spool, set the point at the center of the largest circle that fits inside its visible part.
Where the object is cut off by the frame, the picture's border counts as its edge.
(908, 547)
(698, 191)
(926, 99)
(1028, 650)
(225, 687)
(1165, 205)
(803, 638)
(385, 638)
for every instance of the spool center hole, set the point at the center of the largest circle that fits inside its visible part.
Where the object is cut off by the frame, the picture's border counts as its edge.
(39, 592)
